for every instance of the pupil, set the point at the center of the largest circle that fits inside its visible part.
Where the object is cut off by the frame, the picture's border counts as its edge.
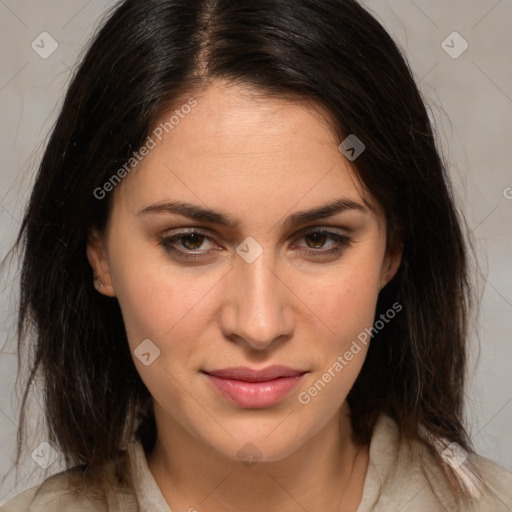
(196, 239)
(319, 239)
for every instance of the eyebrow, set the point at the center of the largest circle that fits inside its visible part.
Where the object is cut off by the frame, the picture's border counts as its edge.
(215, 217)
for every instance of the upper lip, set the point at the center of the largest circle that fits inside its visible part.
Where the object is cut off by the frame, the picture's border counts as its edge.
(250, 375)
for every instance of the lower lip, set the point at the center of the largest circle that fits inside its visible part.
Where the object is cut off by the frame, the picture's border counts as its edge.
(255, 395)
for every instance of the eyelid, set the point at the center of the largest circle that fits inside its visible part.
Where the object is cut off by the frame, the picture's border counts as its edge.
(299, 233)
(188, 231)
(341, 241)
(324, 229)
(166, 238)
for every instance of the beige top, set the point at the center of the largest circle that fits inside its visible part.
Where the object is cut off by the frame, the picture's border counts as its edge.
(401, 477)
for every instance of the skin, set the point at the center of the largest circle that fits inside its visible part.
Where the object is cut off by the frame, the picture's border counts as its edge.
(257, 160)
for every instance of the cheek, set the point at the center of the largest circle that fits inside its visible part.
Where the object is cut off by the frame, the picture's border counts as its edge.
(166, 307)
(347, 308)
(344, 302)
(158, 301)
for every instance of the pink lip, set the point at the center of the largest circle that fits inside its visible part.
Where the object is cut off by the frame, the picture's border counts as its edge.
(255, 388)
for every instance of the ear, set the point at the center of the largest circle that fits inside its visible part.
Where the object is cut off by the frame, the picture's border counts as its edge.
(391, 264)
(97, 256)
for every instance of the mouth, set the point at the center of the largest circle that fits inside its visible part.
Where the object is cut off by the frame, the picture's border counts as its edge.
(255, 389)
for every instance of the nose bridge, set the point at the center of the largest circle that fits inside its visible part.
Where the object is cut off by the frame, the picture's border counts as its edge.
(260, 301)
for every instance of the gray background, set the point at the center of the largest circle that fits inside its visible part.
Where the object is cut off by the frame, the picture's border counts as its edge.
(471, 102)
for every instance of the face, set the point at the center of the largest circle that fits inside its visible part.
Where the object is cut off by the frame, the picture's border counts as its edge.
(215, 264)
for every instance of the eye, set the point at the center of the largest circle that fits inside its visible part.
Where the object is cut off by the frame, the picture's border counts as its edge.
(190, 244)
(183, 244)
(317, 238)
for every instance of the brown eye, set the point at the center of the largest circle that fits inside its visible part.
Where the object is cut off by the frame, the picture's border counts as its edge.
(317, 242)
(189, 244)
(193, 241)
(317, 239)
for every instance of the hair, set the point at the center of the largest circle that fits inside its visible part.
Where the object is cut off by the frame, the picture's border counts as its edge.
(144, 57)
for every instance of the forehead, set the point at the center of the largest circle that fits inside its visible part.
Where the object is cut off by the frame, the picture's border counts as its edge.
(236, 145)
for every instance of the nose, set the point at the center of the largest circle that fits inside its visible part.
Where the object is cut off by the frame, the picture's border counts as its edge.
(257, 310)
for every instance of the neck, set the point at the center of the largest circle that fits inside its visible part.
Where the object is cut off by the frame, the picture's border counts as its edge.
(326, 473)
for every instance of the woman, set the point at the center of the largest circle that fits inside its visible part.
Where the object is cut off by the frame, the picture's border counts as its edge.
(246, 273)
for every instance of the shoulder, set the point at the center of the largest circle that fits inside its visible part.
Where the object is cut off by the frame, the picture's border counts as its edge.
(495, 484)
(409, 476)
(484, 485)
(59, 492)
(67, 491)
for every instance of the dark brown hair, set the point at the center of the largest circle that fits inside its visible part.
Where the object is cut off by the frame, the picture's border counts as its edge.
(146, 55)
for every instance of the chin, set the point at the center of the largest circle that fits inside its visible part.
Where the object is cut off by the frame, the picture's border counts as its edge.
(252, 443)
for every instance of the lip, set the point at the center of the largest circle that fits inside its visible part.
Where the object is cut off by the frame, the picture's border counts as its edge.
(255, 389)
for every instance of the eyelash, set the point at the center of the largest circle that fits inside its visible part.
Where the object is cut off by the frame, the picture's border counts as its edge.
(343, 242)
